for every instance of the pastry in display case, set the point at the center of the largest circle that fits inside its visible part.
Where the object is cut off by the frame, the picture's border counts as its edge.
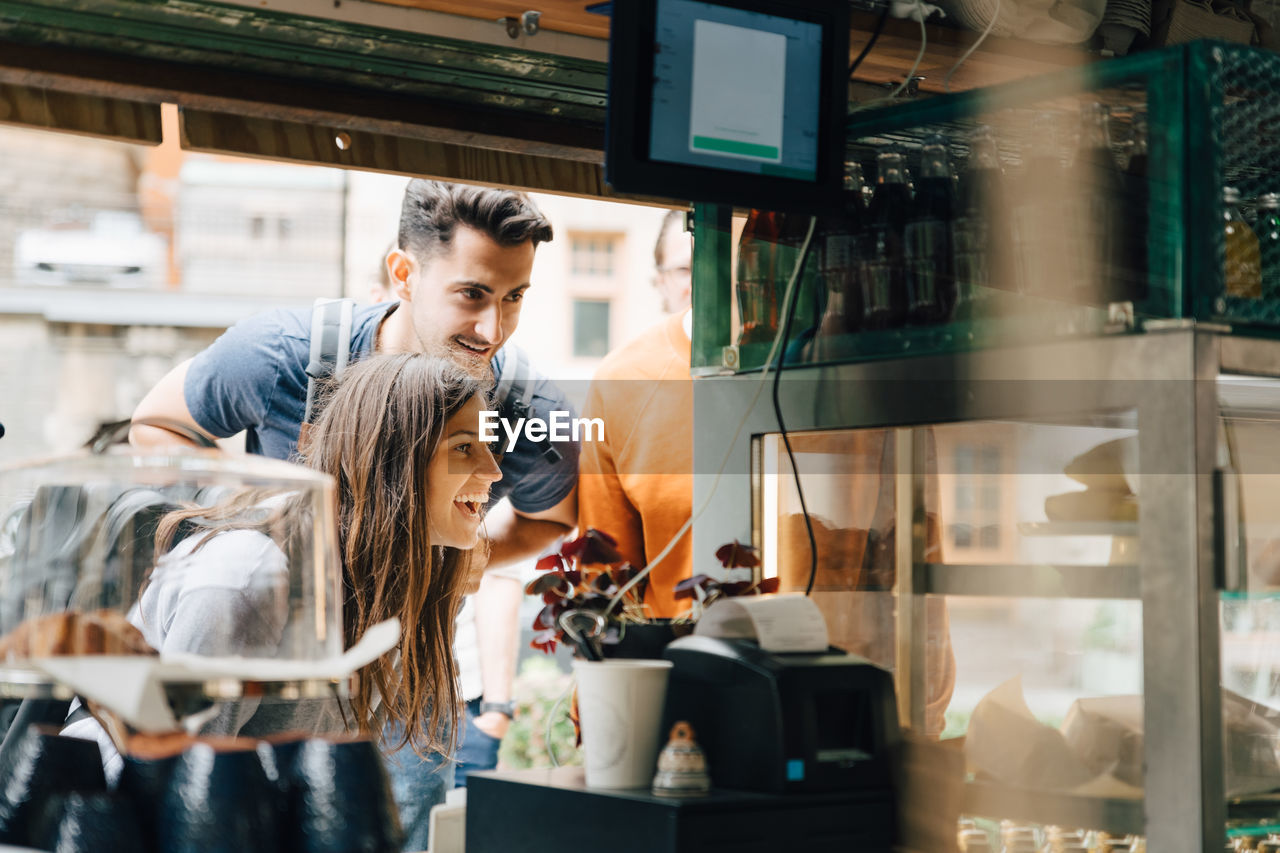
(109, 551)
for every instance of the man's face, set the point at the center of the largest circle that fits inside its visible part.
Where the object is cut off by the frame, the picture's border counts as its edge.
(675, 276)
(465, 301)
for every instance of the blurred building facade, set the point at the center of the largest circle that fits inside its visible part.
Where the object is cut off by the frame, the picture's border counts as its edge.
(135, 258)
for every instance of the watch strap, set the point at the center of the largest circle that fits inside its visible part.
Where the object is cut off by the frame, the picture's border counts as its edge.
(506, 709)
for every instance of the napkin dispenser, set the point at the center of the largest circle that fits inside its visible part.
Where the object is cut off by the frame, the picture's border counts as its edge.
(784, 723)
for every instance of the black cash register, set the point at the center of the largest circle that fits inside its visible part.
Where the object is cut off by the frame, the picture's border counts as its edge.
(784, 723)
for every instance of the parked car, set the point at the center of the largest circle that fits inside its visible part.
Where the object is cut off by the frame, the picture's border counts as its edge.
(113, 249)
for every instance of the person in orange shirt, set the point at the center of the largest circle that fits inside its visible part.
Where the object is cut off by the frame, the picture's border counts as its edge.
(637, 484)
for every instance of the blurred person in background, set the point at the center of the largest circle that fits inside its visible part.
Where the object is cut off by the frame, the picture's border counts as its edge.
(637, 484)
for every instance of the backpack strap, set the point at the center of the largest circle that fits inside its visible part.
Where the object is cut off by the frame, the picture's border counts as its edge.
(514, 393)
(330, 345)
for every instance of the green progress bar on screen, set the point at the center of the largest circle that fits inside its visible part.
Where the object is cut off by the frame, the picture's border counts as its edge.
(730, 146)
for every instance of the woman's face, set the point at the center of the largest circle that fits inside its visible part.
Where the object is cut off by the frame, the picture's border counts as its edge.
(458, 480)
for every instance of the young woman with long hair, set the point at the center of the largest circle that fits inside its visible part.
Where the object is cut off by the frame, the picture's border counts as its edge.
(399, 436)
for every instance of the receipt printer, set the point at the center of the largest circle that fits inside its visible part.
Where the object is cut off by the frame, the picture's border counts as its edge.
(784, 723)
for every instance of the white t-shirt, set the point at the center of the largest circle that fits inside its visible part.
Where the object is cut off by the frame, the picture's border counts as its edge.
(228, 596)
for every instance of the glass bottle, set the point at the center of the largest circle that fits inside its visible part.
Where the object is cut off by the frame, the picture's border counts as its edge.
(1095, 227)
(1243, 256)
(981, 232)
(1267, 230)
(974, 841)
(880, 254)
(1040, 212)
(757, 278)
(837, 263)
(1137, 199)
(1018, 839)
(929, 271)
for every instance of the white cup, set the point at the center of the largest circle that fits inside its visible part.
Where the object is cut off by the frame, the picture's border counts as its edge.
(620, 708)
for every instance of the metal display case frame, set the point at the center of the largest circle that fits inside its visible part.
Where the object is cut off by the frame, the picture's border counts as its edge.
(1167, 381)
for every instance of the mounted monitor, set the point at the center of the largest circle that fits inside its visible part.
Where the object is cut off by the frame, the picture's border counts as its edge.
(732, 101)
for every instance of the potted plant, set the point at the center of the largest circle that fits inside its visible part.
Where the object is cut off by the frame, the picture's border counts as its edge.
(594, 599)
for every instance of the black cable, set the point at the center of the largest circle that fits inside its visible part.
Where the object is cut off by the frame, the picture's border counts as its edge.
(789, 311)
(875, 34)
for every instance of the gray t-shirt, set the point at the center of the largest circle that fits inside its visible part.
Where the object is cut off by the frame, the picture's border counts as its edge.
(253, 378)
(218, 595)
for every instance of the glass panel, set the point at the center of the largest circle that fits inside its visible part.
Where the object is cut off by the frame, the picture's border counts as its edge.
(1029, 636)
(1250, 611)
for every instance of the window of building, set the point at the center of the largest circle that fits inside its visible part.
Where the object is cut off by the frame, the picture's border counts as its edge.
(977, 497)
(977, 493)
(590, 328)
(593, 255)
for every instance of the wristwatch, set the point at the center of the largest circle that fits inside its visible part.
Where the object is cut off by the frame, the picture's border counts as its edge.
(506, 709)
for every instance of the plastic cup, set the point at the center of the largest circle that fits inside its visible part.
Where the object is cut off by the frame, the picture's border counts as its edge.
(620, 705)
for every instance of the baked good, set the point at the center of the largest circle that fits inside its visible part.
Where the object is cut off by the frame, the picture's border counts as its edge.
(1103, 467)
(1092, 505)
(103, 632)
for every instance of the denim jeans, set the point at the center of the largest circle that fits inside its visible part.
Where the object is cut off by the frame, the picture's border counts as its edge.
(477, 750)
(417, 785)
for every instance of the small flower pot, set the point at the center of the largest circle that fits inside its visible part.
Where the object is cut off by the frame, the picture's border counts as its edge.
(340, 798)
(40, 766)
(219, 800)
(80, 822)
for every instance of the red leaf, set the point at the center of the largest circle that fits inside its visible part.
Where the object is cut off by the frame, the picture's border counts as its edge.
(736, 588)
(551, 562)
(735, 555)
(768, 586)
(573, 576)
(545, 641)
(552, 581)
(547, 616)
(594, 546)
(690, 583)
(687, 587)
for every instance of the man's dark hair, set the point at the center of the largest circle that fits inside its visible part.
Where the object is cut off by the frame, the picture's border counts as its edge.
(433, 210)
(673, 219)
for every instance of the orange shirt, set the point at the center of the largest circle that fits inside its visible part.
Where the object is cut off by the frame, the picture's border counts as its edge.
(637, 484)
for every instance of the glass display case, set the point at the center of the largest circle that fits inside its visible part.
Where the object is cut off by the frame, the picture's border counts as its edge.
(117, 551)
(1088, 594)
(1044, 344)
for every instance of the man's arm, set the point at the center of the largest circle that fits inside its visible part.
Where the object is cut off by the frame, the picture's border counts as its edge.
(166, 400)
(515, 535)
(497, 604)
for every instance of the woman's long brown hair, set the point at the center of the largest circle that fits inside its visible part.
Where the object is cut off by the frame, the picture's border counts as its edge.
(375, 435)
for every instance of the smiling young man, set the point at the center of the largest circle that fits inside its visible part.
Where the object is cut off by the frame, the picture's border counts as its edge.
(461, 269)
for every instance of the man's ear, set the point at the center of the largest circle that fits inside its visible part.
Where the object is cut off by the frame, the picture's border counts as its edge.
(399, 268)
